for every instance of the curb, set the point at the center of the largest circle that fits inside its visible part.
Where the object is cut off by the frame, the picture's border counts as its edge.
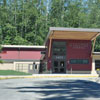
(49, 76)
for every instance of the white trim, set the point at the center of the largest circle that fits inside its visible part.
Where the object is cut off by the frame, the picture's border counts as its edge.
(96, 53)
(23, 46)
(74, 29)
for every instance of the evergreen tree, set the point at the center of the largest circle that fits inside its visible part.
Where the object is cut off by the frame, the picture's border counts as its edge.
(27, 21)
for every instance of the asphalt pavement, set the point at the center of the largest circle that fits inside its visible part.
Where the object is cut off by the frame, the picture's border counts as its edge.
(49, 89)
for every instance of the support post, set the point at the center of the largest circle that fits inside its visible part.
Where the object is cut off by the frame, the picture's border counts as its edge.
(49, 47)
(93, 72)
(93, 45)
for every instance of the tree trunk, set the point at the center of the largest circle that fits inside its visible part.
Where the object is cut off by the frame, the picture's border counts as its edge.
(4, 3)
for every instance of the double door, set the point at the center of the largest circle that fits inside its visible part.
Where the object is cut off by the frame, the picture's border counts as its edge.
(59, 66)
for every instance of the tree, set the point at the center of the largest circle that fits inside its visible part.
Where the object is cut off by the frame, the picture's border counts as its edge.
(27, 21)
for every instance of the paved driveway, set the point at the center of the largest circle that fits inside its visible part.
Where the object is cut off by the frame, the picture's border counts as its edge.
(49, 89)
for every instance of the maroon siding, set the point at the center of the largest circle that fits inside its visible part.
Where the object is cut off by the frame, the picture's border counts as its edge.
(24, 54)
(76, 49)
(79, 50)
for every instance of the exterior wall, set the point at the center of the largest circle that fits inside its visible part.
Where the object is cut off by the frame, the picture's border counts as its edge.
(76, 49)
(21, 59)
(36, 55)
(94, 57)
(26, 67)
(9, 54)
(79, 50)
(7, 66)
(29, 54)
(48, 58)
(20, 66)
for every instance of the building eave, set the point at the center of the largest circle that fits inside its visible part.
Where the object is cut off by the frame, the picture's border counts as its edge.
(23, 46)
(61, 30)
(74, 29)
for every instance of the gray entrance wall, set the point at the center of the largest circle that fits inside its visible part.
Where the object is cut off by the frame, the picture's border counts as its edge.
(59, 57)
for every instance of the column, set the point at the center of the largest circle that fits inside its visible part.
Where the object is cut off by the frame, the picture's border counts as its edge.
(93, 71)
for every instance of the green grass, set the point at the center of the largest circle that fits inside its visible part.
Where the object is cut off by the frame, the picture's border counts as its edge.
(11, 72)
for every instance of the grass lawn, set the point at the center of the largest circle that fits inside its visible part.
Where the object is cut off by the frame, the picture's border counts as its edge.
(11, 72)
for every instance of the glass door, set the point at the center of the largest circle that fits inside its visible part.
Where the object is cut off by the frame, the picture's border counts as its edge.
(59, 66)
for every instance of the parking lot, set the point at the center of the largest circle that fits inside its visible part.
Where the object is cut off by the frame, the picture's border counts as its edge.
(49, 89)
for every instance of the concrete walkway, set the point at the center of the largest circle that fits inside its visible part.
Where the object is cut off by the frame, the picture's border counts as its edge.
(51, 76)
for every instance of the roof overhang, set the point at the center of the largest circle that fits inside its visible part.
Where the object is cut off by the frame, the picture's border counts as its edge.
(23, 46)
(73, 33)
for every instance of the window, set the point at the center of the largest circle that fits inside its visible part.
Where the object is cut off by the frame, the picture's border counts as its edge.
(61, 69)
(35, 66)
(56, 70)
(59, 51)
(62, 63)
(79, 61)
(56, 63)
(97, 64)
(59, 48)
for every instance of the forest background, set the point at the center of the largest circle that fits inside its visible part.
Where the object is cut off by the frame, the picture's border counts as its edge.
(26, 22)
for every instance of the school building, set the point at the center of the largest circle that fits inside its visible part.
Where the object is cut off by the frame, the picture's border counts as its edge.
(21, 58)
(66, 51)
(70, 50)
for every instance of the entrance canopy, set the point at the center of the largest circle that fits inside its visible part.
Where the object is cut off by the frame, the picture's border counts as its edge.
(73, 33)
